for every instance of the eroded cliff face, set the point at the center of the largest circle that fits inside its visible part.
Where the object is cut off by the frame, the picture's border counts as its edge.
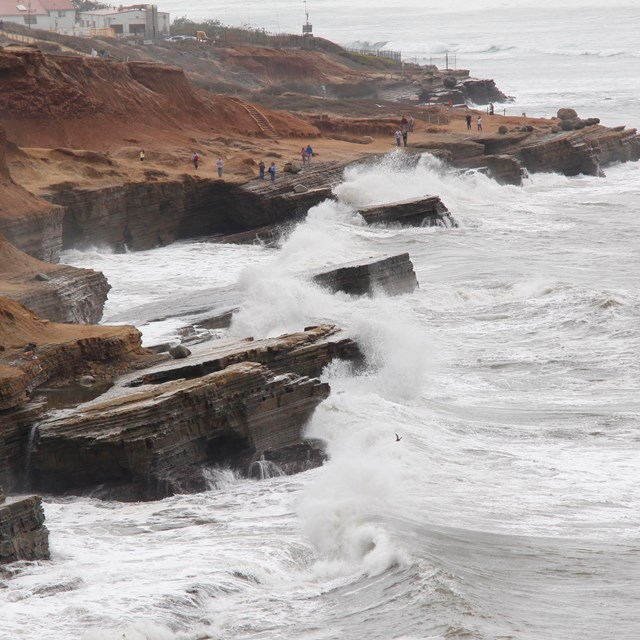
(54, 292)
(143, 215)
(31, 224)
(62, 352)
(87, 103)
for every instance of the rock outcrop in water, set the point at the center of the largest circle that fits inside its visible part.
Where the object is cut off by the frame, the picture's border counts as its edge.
(427, 211)
(231, 403)
(23, 535)
(392, 275)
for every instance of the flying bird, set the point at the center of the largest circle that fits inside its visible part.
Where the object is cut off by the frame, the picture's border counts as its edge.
(398, 438)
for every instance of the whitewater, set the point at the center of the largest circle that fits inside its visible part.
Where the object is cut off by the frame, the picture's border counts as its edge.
(510, 508)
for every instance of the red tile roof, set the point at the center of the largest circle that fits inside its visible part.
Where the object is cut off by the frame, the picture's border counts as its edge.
(37, 8)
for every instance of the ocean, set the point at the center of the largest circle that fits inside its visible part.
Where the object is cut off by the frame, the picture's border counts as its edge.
(510, 509)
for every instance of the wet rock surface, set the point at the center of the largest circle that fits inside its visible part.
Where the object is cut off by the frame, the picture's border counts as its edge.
(428, 211)
(23, 535)
(230, 403)
(392, 275)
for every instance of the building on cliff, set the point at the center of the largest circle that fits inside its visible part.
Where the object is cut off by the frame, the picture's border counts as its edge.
(140, 20)
(49, 15)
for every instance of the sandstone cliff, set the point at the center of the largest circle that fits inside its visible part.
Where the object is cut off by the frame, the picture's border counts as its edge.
(33, 225)
(63, 101)
(54, 292)
(62, 352)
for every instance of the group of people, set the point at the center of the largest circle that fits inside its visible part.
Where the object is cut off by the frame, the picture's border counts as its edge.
(406, 127)
(306, 153)
(102, 53)
(478, 122)
(195, 158)
(272, 170)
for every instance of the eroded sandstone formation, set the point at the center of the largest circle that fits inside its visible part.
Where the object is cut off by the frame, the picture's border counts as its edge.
(31, 224)
(60, 352)
(229, 403)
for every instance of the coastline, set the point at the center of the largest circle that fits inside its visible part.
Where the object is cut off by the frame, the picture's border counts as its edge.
(67, 195)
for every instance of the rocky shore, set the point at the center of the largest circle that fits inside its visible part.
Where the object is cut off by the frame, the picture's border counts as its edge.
(71, 177)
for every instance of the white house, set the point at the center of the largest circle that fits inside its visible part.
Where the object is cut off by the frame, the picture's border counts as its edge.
(142, 20)
(50, 15)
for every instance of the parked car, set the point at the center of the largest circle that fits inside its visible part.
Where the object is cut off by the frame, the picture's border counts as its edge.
(176, 38)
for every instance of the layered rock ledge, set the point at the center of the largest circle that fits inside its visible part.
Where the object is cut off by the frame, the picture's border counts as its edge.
(392, 275)
(62, 352)
(231, 403)
(428, 211)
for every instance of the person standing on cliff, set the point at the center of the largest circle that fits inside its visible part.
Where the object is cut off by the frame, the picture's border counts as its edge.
(411, 124)
(491, 108)
(303, 155)
(219, 165)
(141, 155)
(398, 135)
(468, 119)
(272, 171)
(261, 169)
(309, 153)
(404, 136)
(196, 159)
(479, 123)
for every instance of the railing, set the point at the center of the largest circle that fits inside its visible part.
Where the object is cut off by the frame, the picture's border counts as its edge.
(232, 35)
(379, 53)
(18, 37)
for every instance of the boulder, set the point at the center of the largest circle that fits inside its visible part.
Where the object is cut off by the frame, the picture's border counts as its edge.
(23, 535)
(567, 114)
(179, 351)
(292, 167)
(449, 82)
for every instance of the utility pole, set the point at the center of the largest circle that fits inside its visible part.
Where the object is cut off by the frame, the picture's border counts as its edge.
(29, 13)
(306, 29)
